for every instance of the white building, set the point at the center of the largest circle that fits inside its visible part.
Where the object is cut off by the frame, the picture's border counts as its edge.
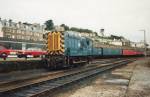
(140, 44)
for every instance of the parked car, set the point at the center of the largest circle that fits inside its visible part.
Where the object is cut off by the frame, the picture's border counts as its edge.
(31, 52)
(4, 52)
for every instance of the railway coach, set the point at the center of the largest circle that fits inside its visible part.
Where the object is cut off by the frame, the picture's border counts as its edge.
(112, 52)
(132, 52)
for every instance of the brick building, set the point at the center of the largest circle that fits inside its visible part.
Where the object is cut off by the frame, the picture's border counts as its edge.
(25, 31)
(18, 35)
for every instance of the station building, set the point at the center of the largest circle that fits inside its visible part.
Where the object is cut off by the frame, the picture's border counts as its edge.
(18, 35)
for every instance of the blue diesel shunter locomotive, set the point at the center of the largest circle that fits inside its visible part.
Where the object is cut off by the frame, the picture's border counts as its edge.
(68, 48)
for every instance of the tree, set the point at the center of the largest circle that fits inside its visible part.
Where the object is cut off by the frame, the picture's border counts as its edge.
(49, 25)
(65, 27)
(116, 37)
(74, 29)
(80, 30)
(95, 33)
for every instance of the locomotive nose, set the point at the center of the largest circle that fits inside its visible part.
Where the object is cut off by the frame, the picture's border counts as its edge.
(55, 43)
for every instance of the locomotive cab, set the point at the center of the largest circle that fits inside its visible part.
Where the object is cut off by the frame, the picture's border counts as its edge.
(66, 48)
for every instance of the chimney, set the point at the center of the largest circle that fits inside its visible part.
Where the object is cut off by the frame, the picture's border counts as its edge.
(19, 22)
(10, 22)
(102, 31)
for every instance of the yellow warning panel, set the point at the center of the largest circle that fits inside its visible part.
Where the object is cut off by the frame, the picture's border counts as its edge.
(50, 42)
(56, 41)
(53, 41)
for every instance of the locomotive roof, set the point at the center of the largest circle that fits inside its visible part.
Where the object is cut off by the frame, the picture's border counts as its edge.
(75, 34)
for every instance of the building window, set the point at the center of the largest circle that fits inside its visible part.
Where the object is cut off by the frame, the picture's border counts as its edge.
(13, 36)
(8, 35)
(5, 24)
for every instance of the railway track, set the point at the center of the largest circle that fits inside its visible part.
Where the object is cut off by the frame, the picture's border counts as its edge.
(40, 86)
(17, 76)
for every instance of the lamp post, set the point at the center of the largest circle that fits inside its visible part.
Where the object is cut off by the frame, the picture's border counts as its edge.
(144, 41)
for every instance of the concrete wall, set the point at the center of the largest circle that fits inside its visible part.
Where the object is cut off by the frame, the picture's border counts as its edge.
(9, 66)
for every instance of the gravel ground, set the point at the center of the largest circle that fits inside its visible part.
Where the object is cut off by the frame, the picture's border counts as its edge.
(140, 82)
(132, 80)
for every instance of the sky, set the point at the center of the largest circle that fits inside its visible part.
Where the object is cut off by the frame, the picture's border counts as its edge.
(118, 17)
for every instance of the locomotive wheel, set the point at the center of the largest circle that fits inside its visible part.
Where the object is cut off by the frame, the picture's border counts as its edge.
(55, 62)
(4, 56)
